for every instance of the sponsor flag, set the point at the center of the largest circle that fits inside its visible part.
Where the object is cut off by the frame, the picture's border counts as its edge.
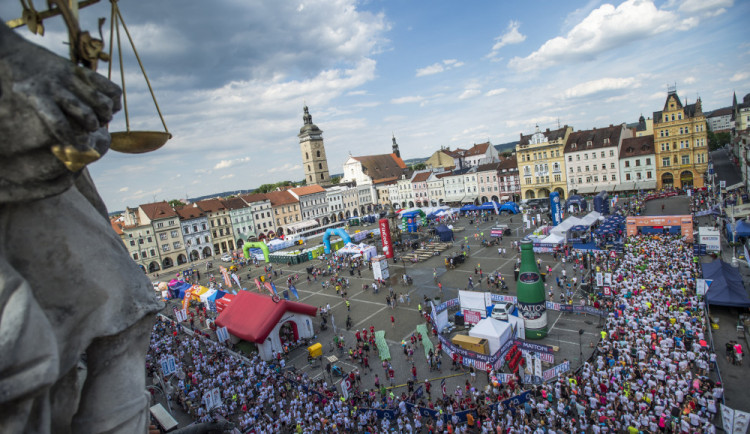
(224, 273)
(294, 291)
(270, 288)
(442, 387)
(236, 279)
(257, 282)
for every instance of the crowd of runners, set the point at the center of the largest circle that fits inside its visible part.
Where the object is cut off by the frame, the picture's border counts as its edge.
(650, 372)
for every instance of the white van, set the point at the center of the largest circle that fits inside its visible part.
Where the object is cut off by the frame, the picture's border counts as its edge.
(502, 310)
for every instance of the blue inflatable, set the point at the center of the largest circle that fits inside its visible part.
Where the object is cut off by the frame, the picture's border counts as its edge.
(327, 238)
(555, 208)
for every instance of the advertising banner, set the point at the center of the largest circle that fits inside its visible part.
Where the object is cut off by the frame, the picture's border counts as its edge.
(385, 236)
(555, 208)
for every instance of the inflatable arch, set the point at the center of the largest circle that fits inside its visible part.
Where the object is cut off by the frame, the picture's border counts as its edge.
(261, 245)
(337, 231)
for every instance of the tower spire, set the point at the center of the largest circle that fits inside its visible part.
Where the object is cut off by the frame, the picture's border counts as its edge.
(395, 146)
(306, 117)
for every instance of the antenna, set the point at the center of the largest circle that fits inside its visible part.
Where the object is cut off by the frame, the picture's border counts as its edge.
(558, 122)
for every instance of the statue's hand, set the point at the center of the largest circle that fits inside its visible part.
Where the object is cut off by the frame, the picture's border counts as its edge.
(38, 88)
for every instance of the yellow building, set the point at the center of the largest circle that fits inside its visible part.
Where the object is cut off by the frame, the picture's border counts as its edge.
(681, 144)
(541, 163)
(440, 160)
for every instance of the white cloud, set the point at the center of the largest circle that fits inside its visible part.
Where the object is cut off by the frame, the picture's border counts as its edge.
(231, 175)
(288, 167)
(511, 36)
(469, 93)
(407, 99)
(123, 190)
(712, 7)
(739, 76)
(225, 164)
(356, 93)
(600, 85)
(689, 80)
(439, 67)
(605, 28)
(494, 92)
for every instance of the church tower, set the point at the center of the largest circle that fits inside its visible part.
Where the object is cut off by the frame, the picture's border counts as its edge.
(395, 147)
(313, 152)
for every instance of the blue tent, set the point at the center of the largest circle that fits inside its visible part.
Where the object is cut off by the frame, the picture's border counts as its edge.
(469, 207)
(577, 200)
(489, 206)
(444, 233)
(213, 297)
(727, 288)
(178, 291)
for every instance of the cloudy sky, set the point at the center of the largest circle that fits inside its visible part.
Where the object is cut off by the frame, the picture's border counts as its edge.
(231, 77)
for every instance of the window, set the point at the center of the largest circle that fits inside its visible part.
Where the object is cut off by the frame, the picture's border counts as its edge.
(614, 177)
(165, 247)
(648, 175)
(637, 162)
(140, 240)
(612, 165)
(160, 225)
(320, 165)
(176, 244)
(648, 161)
(603, 151)
(578, 158)
(163, 236)
(665, 161)
(132, 242)
(604, 178)
(638, 176)
(317, 153)
(686, 159)
(585, 156)
(611, 152)
(604, 167)
(587, 168)
(173, 234)
(570, 158)
(627, 177)
(135, 256)
(596, 178)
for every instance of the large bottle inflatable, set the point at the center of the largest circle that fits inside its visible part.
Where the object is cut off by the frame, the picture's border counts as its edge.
(532, 302)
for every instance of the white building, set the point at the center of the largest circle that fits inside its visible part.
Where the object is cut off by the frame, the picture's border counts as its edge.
(592, 158)
(637, 164)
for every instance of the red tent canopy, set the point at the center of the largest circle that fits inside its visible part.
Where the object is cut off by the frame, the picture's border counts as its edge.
(252, 316)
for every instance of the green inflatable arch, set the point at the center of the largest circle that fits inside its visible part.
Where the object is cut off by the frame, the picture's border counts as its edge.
(261, 245)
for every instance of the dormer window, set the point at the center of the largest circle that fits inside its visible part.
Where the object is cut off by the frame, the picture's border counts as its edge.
(606, 141)
(575, 145)
(589, 144)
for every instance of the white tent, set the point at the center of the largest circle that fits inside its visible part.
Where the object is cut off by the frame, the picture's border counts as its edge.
(553, 239)
(590, 218)
(495, 331)
(562, 228)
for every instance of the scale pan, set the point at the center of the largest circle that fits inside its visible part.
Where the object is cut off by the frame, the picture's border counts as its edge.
(138, 142)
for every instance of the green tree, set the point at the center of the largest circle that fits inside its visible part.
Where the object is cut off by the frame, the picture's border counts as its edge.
(335, 180)
(419, 166)
(507, 154)
(174, 203)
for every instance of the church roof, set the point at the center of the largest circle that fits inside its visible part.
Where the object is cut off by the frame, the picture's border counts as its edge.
(382, 166)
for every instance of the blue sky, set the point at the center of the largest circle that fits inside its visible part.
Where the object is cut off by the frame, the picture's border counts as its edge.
(231, 78)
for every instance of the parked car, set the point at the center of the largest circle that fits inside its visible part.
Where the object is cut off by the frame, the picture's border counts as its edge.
(502, 310)
(226, 258)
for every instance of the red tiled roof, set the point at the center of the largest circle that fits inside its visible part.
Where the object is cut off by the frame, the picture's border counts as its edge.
(252, 316)
(421, 177)
(189, 212)
(158, 210)
(596, 136)
(308, 189)
(253, 197)
(235, 203)
(279, 198)
(637, 146)
(116, 225)
(382, 166)
(212, 205)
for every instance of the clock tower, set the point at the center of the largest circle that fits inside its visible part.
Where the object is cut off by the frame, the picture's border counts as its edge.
(313, 152)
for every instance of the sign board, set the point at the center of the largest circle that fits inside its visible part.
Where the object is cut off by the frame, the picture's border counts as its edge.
(599, 279)
(710, 237)
(181, 315)
(607, 290)
(168, 366)
(213, 398)
(222, 334)
(702, 285)
(472, 316)
(723, 184)
(556, 371)
(607, 278)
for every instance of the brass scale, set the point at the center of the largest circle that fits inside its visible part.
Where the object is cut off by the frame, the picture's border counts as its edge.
(87, 51)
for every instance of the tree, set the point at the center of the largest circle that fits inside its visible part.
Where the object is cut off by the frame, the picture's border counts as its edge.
(507, 154)
(265, 188)
(717, 140)
(335, 180)
(174, 203)
(419, 166)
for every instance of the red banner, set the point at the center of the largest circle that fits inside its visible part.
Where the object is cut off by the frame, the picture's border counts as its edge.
(385, 236)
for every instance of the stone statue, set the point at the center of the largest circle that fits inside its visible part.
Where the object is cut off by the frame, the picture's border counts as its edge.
(75, 311)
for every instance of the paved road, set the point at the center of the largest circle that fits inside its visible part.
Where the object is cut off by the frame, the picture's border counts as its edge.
(370, 309)
(724, 169)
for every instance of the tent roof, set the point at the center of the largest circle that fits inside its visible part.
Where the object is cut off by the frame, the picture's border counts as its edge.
(442, 228)
(727, 288)
(489, 327)
(252, 316)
